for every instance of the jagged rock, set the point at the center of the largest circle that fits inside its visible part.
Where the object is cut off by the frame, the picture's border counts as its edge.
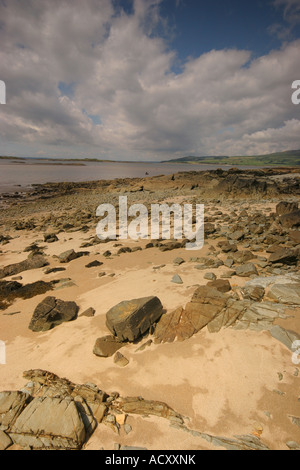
(36, 262)
(262, 281)
(286, 208)
(132, 318)
(246, 270)
(285, 293)
(210, 276)
(246, 442)
(48, 423)
(11, 290)
(137, 405)
(227, 317)
(67, 256)
(94, 264)
(170, 246)
(205, 305)
(11, 405)
(284, 336)
(243, 256)
(291, 220)
(222, 285)
(5, 441)
(52, 312)
(259, 315)
(107, 346)
(227, 247)
(90, 312)
(178, 261)
(237, 235)
(50, 238)
(294, 235)
(255, 293)
(173, 326)
(284, 255)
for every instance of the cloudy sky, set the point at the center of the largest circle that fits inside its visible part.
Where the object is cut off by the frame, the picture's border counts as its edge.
(148, 79)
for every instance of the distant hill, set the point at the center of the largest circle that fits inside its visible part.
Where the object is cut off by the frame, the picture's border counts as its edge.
(287, 158)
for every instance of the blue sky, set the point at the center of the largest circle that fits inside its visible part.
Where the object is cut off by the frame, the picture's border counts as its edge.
(149, 79)
(200, 26)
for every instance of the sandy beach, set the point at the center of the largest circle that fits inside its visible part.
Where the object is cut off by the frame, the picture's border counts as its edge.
(238, 381)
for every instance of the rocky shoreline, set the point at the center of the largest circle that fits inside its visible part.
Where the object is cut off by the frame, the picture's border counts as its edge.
(116, 311)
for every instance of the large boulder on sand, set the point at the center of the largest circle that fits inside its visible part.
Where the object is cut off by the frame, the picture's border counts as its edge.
(132, 318)
(52, 312)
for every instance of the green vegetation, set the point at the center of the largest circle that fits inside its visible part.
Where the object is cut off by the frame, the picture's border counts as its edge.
(288, 158)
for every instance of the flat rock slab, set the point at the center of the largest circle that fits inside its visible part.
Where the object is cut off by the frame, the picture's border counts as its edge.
(262, 281)
(285, 293)
(284, 336)
(49, 423)
(132, 318)
(246, 270)
(52, 312)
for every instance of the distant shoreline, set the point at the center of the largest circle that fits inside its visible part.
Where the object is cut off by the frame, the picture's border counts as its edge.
(289, 158)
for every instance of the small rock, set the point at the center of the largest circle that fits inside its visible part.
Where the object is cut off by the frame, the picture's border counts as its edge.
(177, 279)
(210, 276)
(246, 270)
(90, 312)
(120, 360)
(107, 346)
(93, 264)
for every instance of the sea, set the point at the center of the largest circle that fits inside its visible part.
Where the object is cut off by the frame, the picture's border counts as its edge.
(19, 175)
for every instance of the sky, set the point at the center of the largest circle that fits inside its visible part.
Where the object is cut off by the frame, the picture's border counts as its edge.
(148, 80)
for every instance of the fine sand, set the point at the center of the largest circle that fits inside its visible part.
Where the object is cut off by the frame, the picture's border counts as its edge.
(231, 383)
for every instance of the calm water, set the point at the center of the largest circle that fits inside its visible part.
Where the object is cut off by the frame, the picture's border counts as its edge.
(20, 176)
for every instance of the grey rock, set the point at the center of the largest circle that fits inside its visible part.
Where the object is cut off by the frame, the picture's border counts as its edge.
(292, 445)
(261, 281)
(210, 276)
(5, 441)
(132, 318)
(48, 423)
(178, 261)
(284, 255)
(52, 312)
(284, 336)
(285, 293)
(255, 293)
(67, 256)
(246, 270)
(11, 405)
(176, 279)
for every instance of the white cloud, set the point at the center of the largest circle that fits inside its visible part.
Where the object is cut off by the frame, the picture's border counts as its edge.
(121, 72)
